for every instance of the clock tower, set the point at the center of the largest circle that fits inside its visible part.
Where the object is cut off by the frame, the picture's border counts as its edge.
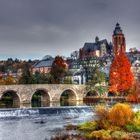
(118, 39)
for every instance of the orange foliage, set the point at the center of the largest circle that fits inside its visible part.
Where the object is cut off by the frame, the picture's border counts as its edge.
(121, 114)
(102, 113)
(59, 61)
(9, 80)
(58, 70)
(134, 95)
(121, 76)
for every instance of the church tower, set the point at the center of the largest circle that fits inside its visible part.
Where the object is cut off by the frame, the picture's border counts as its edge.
(118, 40)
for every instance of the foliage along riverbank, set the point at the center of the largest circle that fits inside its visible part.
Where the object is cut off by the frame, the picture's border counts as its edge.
(117, 123)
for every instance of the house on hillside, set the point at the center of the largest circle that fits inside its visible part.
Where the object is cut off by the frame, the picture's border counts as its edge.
(43, 66)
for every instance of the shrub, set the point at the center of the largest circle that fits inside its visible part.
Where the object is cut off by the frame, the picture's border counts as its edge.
(136, 120)
(121, 114)
(121, 135)
(89, 126)
(100, 134)
(102, 115)
(102, 112)
(68, 137)
(135, 125)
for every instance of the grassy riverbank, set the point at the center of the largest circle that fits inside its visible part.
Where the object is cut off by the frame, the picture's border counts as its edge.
(117, 123)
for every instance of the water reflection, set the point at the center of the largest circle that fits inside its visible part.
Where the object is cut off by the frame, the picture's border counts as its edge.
(68, 98)
(67, 103)
(40, 99)
(9, 100)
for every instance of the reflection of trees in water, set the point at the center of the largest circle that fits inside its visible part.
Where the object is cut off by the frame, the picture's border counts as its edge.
(36, 100)
(9, 100)
(40, 99)
(68, 98)
(92, 93)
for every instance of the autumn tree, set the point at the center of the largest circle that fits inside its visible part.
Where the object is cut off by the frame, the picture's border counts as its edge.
(134, 92)
(121, 76)
(10, 80)
(2, 81)
(58, 70)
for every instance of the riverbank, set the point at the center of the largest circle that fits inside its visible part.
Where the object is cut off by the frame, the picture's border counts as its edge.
(117, 123)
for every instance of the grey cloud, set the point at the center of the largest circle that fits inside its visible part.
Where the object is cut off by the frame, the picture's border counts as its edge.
(39, 27)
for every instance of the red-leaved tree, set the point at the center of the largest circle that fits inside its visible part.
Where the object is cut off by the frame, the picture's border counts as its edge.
(121, 76)
(134, 93)
(58, 70)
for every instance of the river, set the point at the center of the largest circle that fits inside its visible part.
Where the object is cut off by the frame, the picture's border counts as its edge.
(40, 123)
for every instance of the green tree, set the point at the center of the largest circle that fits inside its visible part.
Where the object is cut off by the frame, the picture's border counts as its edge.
(41, 78)
(98, 82)
(97, 77)
(26, 77)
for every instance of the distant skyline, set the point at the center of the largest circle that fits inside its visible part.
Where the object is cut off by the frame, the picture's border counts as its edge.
(31, 29)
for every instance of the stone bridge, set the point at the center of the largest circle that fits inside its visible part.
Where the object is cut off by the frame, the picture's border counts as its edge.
(50, 92)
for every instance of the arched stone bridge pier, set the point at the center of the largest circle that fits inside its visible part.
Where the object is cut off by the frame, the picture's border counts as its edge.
(51, 92)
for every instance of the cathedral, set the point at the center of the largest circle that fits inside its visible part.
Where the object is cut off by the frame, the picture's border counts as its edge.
(98, 48)
(101, 47)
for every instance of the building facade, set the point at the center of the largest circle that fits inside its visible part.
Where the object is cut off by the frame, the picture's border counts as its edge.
(44, 65)
(98, 48)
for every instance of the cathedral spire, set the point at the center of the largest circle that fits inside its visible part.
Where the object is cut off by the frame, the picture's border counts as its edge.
(118, 40)
(118, 29)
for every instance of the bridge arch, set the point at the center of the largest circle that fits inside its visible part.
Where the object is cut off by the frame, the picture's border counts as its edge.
(90, 93)
(68, 97)
(10, 99)
(40, 97)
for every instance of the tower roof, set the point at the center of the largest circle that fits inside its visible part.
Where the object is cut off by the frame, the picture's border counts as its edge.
(118, 29)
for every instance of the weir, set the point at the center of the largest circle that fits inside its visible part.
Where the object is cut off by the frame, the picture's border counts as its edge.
(49, 111)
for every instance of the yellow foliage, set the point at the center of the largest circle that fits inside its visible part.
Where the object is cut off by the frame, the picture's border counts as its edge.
(2, 82)
(102, 112)
(136, 120)
(100, 134)
(9, 80)
(121, 114)
(89, 126)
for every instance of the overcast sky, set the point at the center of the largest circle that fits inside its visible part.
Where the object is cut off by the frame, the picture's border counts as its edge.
(30, 29)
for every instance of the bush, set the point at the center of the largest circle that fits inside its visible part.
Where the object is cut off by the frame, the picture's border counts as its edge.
(102, 112)
(102, 115)
(89, 126)
(68, 137)
(121, 135)
(136, 120)
(135, 125)
(100, 134)
(121, 114)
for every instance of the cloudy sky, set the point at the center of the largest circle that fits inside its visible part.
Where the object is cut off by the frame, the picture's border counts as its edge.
(30, 29)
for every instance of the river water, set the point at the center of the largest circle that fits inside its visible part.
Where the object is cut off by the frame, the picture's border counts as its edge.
(43, 122)
(40, 123)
